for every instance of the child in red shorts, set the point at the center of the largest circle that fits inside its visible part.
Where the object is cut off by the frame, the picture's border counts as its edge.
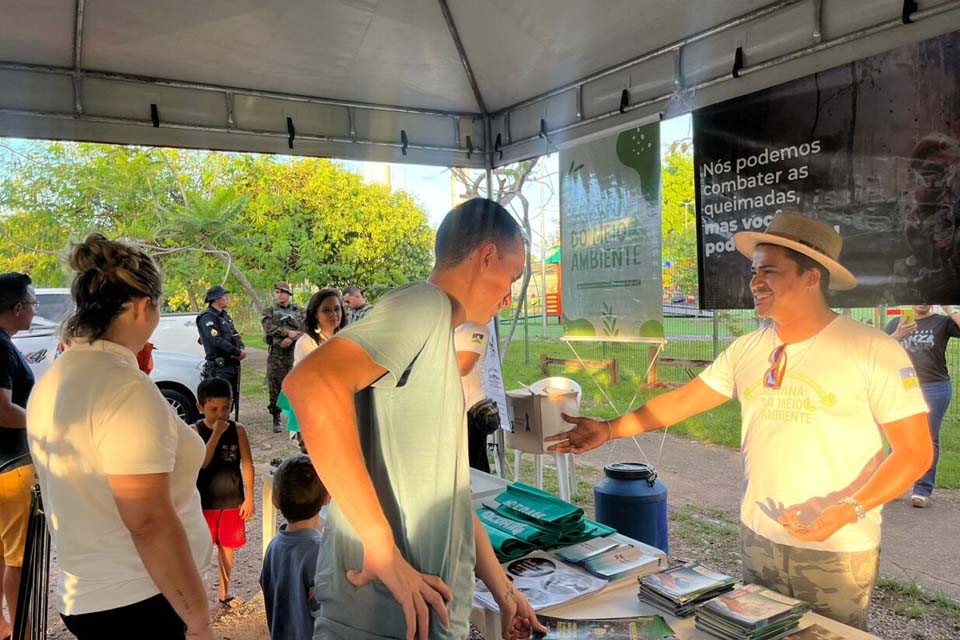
(226, 478)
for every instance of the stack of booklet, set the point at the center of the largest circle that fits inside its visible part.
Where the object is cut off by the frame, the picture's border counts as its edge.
(614, 557)
(680, 590)
(750, 613)
(636, 628)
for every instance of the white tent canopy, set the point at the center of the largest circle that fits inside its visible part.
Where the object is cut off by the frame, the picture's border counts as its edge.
(478, 83)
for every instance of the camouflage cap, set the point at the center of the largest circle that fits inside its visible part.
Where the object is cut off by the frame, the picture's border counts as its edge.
(283, 286)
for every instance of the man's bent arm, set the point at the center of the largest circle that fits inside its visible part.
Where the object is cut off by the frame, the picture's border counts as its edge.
(321, 390)
(910, 457)
(517, 618)
(911, 454)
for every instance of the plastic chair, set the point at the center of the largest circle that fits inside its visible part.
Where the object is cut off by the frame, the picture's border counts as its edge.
(566, 466)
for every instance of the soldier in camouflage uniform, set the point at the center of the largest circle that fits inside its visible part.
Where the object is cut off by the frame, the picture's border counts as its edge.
(282, 326)
(356, 303)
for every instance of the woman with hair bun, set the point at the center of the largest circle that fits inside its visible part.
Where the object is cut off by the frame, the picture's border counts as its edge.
(117, 467)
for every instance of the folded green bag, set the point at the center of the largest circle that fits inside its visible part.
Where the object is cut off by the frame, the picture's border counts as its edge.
(529, 533)
(541, 508)
(588, 530)
(506, 546)
(284, 403)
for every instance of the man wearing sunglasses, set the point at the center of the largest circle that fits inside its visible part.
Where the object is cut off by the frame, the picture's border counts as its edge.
(18, 305)
(818, 393)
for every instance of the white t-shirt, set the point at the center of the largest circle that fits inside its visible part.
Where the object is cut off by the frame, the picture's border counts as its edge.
(817, 439)
(304, 346)
(472, 337)
(93, 414)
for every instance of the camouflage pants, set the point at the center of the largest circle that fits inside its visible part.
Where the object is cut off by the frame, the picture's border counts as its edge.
(835, 584)
(279, 363)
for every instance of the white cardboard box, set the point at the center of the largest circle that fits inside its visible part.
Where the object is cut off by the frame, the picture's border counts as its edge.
(534, 415)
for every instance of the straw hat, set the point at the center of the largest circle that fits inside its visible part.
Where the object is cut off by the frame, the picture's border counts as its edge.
(813, 238)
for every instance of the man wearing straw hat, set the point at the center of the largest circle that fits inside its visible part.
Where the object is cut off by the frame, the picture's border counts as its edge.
(814, 387)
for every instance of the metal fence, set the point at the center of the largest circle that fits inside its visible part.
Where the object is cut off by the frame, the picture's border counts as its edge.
(692, 336)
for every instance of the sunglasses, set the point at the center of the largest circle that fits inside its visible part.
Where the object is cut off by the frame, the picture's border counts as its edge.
(773, 378)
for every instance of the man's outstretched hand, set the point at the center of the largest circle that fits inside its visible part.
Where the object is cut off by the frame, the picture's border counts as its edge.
(587, 434)
(416, 592)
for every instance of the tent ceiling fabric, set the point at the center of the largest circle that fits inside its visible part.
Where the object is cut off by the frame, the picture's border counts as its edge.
(350, 75)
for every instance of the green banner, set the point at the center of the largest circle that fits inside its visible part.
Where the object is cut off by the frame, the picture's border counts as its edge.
(611, 237)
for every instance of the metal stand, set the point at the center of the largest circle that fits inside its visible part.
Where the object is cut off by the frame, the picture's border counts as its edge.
(31, 610)
(499, 459)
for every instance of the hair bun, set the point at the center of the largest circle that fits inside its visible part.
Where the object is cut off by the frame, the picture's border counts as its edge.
(98, 254)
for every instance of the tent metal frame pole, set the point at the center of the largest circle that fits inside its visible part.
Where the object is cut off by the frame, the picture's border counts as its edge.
(773, 62)
(229, 130)
(199, 86)
(706, 33)
(472, 79)
(77, 56)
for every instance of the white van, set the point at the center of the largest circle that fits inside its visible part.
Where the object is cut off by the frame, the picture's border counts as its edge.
(176, 374)
(176, 333)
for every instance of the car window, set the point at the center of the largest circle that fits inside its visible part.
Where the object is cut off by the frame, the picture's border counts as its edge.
(54, 306)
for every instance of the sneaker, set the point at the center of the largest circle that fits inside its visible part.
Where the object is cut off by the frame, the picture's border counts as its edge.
(277, 427)
(919, 501)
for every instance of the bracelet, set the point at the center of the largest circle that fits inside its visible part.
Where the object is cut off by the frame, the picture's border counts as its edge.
(861, 514)
(609, 430)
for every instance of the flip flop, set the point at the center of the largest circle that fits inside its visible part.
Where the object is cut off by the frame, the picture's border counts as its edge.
(232, 602)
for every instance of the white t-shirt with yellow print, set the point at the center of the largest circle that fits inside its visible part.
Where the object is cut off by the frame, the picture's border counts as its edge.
(817, 439)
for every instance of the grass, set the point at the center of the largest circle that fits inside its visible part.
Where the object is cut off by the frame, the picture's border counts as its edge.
(698, 524)
(254, 340)
(720, 426)
(915, 602)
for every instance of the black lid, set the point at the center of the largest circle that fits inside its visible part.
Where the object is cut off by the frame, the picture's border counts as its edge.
(630, 471)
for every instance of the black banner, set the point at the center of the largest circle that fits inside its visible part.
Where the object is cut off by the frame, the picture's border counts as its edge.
(870, 147)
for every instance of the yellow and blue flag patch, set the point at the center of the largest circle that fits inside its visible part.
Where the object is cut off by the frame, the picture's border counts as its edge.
(908, 377)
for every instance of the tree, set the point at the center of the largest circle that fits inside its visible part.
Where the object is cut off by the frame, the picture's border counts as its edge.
(679, 218)
(208, 217)
(508, 185)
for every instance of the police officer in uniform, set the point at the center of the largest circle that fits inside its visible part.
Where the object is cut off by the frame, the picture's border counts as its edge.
(221, 342)
(282, 326)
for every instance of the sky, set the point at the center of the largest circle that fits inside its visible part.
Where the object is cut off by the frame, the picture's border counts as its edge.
(431, 186)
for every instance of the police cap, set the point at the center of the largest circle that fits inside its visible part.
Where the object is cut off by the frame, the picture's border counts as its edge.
(213, 293)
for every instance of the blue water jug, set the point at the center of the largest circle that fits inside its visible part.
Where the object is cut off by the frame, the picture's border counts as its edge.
(632, 501)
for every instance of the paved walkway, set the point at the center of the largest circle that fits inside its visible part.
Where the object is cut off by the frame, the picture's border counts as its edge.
(916, 542)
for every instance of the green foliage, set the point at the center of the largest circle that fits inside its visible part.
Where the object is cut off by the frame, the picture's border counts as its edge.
(323, 225)
(679, 223)
(207, 215)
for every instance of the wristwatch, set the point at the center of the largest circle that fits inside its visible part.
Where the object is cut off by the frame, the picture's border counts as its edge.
(861, 514)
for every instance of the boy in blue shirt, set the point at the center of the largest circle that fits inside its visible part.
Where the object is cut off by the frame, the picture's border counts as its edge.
(291, 558)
